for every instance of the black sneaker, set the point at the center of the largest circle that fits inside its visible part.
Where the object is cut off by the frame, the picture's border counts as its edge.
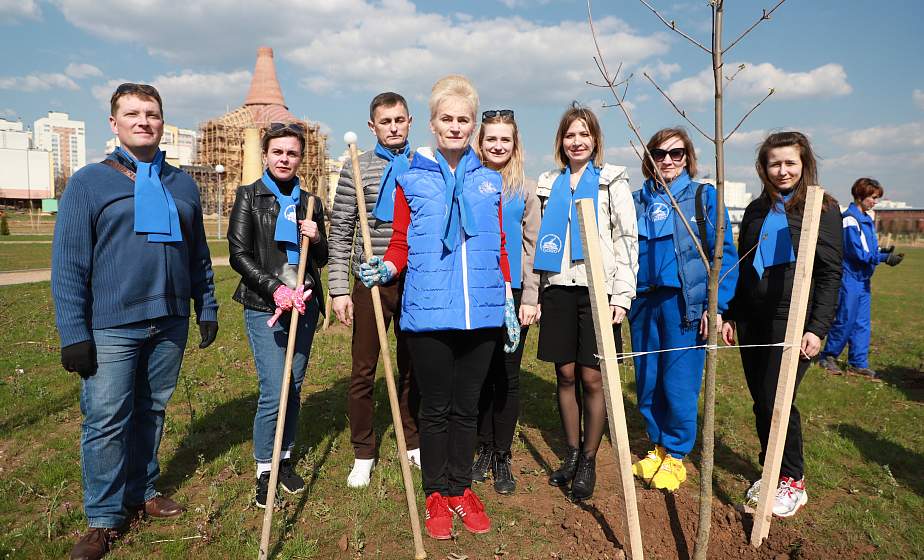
(289, 479)
(482, 464)
(503, 477)
(262, 490)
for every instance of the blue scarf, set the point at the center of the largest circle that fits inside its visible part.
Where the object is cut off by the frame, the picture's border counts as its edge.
(397, 164)
(459, 215)
(559, 211)
(514, 207)
(155, 209)
(286, 225)
(775, 242)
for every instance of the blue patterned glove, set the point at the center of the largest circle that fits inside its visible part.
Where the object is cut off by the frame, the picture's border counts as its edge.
(374, 272)
(512, 324)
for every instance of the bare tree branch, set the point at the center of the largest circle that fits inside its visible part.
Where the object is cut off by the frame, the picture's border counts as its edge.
(746, 115)
(678, 109)
(673, 25)
(738, 70)
(765, 15)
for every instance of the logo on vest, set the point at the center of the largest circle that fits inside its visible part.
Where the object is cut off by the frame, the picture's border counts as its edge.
(487, 188)
(658, 212)
(550, 243)
(290, 213)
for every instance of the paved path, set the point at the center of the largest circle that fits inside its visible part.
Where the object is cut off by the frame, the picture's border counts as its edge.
(44, 274)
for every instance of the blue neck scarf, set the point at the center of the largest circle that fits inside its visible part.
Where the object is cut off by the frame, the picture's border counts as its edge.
(559, 211)
(155, 209)
(775, 242)
(286, 225)
(398, 163)
(514, 206)
(458, 214)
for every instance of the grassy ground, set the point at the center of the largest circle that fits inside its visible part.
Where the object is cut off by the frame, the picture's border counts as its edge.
(864, 446)
(15, 255)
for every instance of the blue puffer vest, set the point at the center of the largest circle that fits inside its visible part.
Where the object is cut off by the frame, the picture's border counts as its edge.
(461, 289)
(694, 278)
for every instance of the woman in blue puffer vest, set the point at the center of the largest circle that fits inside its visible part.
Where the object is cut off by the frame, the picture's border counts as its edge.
(670, 306)
(448, 232)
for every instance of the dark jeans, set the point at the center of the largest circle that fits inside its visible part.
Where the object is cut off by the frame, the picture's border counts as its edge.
(365, 351)
(499, 404)
(762, 372)
(450, 367)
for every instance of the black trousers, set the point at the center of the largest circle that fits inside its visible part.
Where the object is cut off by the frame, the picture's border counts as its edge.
(450, 368)
(762, 372)
(499, 405)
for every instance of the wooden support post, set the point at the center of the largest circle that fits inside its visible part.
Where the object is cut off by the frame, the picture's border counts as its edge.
(795, 325)
(609, 368)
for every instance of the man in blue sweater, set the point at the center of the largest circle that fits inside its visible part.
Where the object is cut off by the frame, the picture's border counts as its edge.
(129, 253)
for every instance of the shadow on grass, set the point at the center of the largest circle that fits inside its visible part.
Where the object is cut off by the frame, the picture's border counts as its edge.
(904, 464)
(42, 410)
(909, 381)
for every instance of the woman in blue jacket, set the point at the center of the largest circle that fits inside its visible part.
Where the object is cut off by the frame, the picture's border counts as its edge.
(448, 233)
(861, 256)
(670, 305)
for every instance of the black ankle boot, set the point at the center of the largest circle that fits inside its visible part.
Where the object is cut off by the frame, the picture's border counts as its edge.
(565, 472)
(503, 477)
(482, 464)
(585, 478)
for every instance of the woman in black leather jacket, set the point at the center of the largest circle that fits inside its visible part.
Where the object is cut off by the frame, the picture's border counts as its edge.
(264, 249)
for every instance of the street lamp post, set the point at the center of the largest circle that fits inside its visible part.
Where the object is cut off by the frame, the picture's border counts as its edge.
(219, 169)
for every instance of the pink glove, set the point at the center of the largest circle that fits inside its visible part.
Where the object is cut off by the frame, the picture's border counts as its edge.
(283, 297)
(299, 297)
(286, 299)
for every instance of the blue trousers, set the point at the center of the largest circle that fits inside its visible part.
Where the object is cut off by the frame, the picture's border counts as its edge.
(268, 345)
(123, 414)
(852, 324)
(667, 383)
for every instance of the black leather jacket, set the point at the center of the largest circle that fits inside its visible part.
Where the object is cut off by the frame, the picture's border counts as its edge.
(257, 257)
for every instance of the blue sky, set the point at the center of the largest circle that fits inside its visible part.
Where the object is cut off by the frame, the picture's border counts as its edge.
(848, 73)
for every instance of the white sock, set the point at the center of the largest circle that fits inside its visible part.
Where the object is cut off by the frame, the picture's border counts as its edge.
(413, 455)
(361, 473)
(263, 468)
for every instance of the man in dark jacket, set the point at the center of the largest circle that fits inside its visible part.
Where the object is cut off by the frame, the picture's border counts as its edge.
(129, 253)
(390, 122)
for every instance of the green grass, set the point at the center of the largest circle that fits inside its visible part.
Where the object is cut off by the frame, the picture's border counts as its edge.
(864, 446)
(21, 256)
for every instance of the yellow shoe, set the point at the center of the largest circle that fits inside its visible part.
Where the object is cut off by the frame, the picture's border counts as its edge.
(647, 467)
(670, 475)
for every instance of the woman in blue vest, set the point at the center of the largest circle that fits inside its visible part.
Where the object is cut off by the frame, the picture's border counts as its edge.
(862, 254)
(500, 148)
(670, 306)
(264, 249)
(566, 335)
(448, 233)
(759, 311)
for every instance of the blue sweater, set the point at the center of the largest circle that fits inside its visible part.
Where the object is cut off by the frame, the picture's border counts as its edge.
(104, 275)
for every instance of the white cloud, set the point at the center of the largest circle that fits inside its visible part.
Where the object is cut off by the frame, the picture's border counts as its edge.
(623, 155)
(918, 97)
(908, 135)
(82, 70)
(189, 96)
(14, 11)
(757, 79)
(8, 114)
(38, 82)
(749, 138)
(661, 69)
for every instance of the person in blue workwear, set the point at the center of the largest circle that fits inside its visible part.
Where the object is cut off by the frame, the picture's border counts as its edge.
(448, 234)
(862, 254)
(670, 306)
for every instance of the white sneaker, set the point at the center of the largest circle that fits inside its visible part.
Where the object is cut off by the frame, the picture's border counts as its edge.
(753, 494)
(790, 496)
(361, 473)
(413, 457)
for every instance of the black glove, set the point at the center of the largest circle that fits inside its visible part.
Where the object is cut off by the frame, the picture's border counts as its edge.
(895, 258)
(80, 358)
(208, 330)
(887, 249)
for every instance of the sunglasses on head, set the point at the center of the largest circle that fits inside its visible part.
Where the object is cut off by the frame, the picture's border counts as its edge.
(676, 154)
(279, 127)
(497, 113)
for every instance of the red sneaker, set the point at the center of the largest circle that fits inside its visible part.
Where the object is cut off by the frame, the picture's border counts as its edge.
(471, 510)
(439, 517)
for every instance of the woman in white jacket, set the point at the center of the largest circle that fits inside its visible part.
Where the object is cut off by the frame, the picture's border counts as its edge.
(566, 335)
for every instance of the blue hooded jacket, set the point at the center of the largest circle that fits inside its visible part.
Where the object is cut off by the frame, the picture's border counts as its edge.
(861, 247)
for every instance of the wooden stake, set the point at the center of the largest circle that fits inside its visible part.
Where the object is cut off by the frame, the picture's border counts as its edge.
(284, 394)
(795, 328)
(609, 368)
(419, 552)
